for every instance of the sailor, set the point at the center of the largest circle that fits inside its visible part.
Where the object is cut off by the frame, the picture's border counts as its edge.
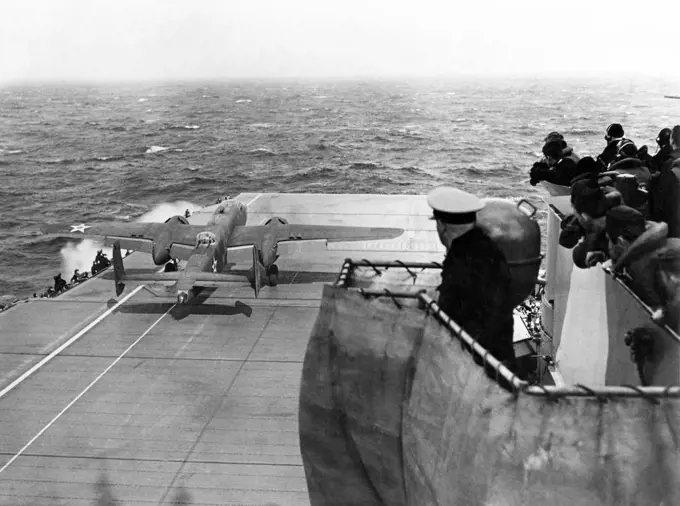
(654, 163)
(59, 283)
(171, 266)
(674, 155)
(623, 225)
(593, 194)
(475, 276)
(76, 276)
(627, 161)
(613, 134)
(96, 265)
(187, 213)
(555, 167)
(567, 150)
(663, 153)
(103, 260)
(650, 257)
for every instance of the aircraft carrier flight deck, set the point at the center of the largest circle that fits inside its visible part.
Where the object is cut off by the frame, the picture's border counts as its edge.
(138, 400)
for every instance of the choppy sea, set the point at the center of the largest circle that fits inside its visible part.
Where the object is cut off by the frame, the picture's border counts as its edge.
(125, 152)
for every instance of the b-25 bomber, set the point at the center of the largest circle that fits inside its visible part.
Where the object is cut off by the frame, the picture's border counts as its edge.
(205, 247)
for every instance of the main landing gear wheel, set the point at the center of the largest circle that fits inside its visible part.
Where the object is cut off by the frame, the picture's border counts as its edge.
(273, 275)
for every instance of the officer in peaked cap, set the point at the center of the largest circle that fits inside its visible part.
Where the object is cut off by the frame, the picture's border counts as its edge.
(453, 207)
(475, 275)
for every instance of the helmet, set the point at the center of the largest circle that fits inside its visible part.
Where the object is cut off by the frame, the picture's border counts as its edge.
(626, 148)
(554, 136)
(664, 137)
(615, 131)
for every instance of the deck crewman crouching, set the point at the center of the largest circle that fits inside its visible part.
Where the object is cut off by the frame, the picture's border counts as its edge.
(476, 281)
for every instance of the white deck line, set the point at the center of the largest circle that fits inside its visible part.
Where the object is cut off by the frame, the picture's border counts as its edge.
(68, 343)
(51, 422)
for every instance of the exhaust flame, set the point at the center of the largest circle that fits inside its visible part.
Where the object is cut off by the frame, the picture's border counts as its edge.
(81, 255)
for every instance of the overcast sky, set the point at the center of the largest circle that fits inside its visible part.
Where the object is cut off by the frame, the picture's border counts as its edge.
(179, 39)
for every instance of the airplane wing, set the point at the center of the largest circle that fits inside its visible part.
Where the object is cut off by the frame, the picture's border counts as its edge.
(252, 235)
(133, 236)
(203, 279)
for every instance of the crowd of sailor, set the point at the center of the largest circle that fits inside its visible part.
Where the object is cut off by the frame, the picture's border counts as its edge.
(621, 205)
(60, 286)
(100, 263)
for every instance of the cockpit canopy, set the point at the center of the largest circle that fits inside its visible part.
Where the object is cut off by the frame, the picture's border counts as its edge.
(178, 218)
(205, 239)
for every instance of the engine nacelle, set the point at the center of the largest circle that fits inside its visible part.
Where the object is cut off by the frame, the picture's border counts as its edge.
(177, 218)
(160, 255)
(269, 251)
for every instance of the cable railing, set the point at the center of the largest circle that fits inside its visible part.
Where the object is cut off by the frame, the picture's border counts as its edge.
(347, 277)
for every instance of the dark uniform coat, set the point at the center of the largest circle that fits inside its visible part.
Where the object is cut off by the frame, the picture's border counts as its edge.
(474, 292)
(609, 153)
(655, 275)
(561, 173)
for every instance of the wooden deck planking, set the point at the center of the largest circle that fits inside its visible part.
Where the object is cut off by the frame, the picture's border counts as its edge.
(207, 400)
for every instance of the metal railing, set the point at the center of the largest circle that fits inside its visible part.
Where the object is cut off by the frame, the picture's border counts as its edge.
(651, 394)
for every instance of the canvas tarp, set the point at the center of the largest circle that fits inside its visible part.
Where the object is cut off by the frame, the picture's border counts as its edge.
(354, 381)
(394, 411)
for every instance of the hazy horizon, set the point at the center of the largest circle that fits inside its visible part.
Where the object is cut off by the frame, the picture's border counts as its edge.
(623, 79)
(127, 41)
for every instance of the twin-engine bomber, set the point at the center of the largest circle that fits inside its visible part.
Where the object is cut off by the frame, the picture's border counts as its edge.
(205, 247)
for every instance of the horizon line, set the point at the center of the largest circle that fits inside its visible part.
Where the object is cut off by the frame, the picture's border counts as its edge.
(356, 78)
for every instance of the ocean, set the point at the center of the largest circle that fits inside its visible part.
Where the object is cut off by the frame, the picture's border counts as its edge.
(79, 153)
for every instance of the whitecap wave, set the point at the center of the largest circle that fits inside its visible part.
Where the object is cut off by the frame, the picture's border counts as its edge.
(243, 101)
(155, 149)
(107, 158)
(262, 152)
